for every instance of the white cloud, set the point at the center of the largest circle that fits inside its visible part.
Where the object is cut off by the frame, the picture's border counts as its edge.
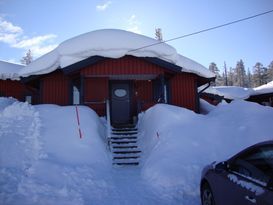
(134, 24)
(13, 36)
(8, 32)
(104, 6)
(9, 27)
(35, 41)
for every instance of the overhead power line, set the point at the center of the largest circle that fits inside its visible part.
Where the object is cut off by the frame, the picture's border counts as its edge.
(205, 30)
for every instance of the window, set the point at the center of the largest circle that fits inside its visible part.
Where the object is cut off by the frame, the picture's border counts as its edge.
(28, 99)
(76, 96)
(120, 93)
(256, 164)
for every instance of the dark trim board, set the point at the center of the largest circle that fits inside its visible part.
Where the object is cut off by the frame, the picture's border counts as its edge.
(81, 64)
(95, 59)
(162, 63)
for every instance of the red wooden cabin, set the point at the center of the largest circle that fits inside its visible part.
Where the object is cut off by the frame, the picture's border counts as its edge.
(132, 84)
(113, 66)
(10, 84)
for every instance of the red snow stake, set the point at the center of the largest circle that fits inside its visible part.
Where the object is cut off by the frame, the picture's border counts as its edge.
(78, 120)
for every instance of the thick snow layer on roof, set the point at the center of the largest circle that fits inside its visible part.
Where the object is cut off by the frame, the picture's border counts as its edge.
(9, 70)
(190, 66)
(263, 89)
(110, 43)
(230, 92)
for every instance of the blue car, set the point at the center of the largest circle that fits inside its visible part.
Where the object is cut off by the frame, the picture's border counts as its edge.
(244, 179)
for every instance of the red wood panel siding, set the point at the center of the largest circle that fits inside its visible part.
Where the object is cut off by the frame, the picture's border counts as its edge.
(55, 89)
(183, 91)
(144, 90)
(127, 65)
(16, 89)
(96, 90)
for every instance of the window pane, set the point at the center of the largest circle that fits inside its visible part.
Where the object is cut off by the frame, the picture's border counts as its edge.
(120, 92)
(257, 164)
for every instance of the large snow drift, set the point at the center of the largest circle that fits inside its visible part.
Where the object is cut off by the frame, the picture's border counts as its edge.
(239, 93)
(43, 160)
(110, 43)
(178, 143)
(231, 92)
(9, 70)
(266, 88)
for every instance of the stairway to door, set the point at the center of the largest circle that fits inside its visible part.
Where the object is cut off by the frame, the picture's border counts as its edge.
(124, 146)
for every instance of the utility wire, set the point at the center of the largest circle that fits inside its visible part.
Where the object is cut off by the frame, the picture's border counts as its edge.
(205, 30)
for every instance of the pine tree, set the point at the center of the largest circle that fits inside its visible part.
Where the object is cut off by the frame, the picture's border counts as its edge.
(225, 75)
(240, 74)
(270, 72)
(158, 34)
(260, 74)
(249, 79)
(27, 59)
(221, 80)
(231, 76)
(213, 68)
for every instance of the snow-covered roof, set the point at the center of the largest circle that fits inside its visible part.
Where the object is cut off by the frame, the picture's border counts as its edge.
(110, 43)
(9, 70)
(263, 89)
(230, 92)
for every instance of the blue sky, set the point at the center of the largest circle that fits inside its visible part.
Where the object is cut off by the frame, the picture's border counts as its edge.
(41, 25)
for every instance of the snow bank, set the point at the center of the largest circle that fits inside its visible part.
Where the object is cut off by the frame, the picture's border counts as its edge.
(4, 102)
(177, 143)
(267, 88)
(62, 140)
(230, 92)
(9, 70)
(110, 43)
(206, 107)
(20, 146)
(237, 93)
(43, 160)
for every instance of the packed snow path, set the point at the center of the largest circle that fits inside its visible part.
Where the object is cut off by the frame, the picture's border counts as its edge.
(19, 127)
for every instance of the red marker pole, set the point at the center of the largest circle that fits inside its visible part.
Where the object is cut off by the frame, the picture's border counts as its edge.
(78, 120)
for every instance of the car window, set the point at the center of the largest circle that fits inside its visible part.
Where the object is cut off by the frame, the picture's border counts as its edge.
(256, 164)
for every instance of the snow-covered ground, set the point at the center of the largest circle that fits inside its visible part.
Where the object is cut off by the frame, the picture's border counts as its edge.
(44, 161)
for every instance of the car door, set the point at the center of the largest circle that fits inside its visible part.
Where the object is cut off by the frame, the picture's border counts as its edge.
(227, 188)
(263, 161)
(253, 171)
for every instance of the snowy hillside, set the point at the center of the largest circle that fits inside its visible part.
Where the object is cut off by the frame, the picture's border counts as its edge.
(44, 161)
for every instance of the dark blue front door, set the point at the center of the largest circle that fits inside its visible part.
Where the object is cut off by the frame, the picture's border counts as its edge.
(120, 102)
